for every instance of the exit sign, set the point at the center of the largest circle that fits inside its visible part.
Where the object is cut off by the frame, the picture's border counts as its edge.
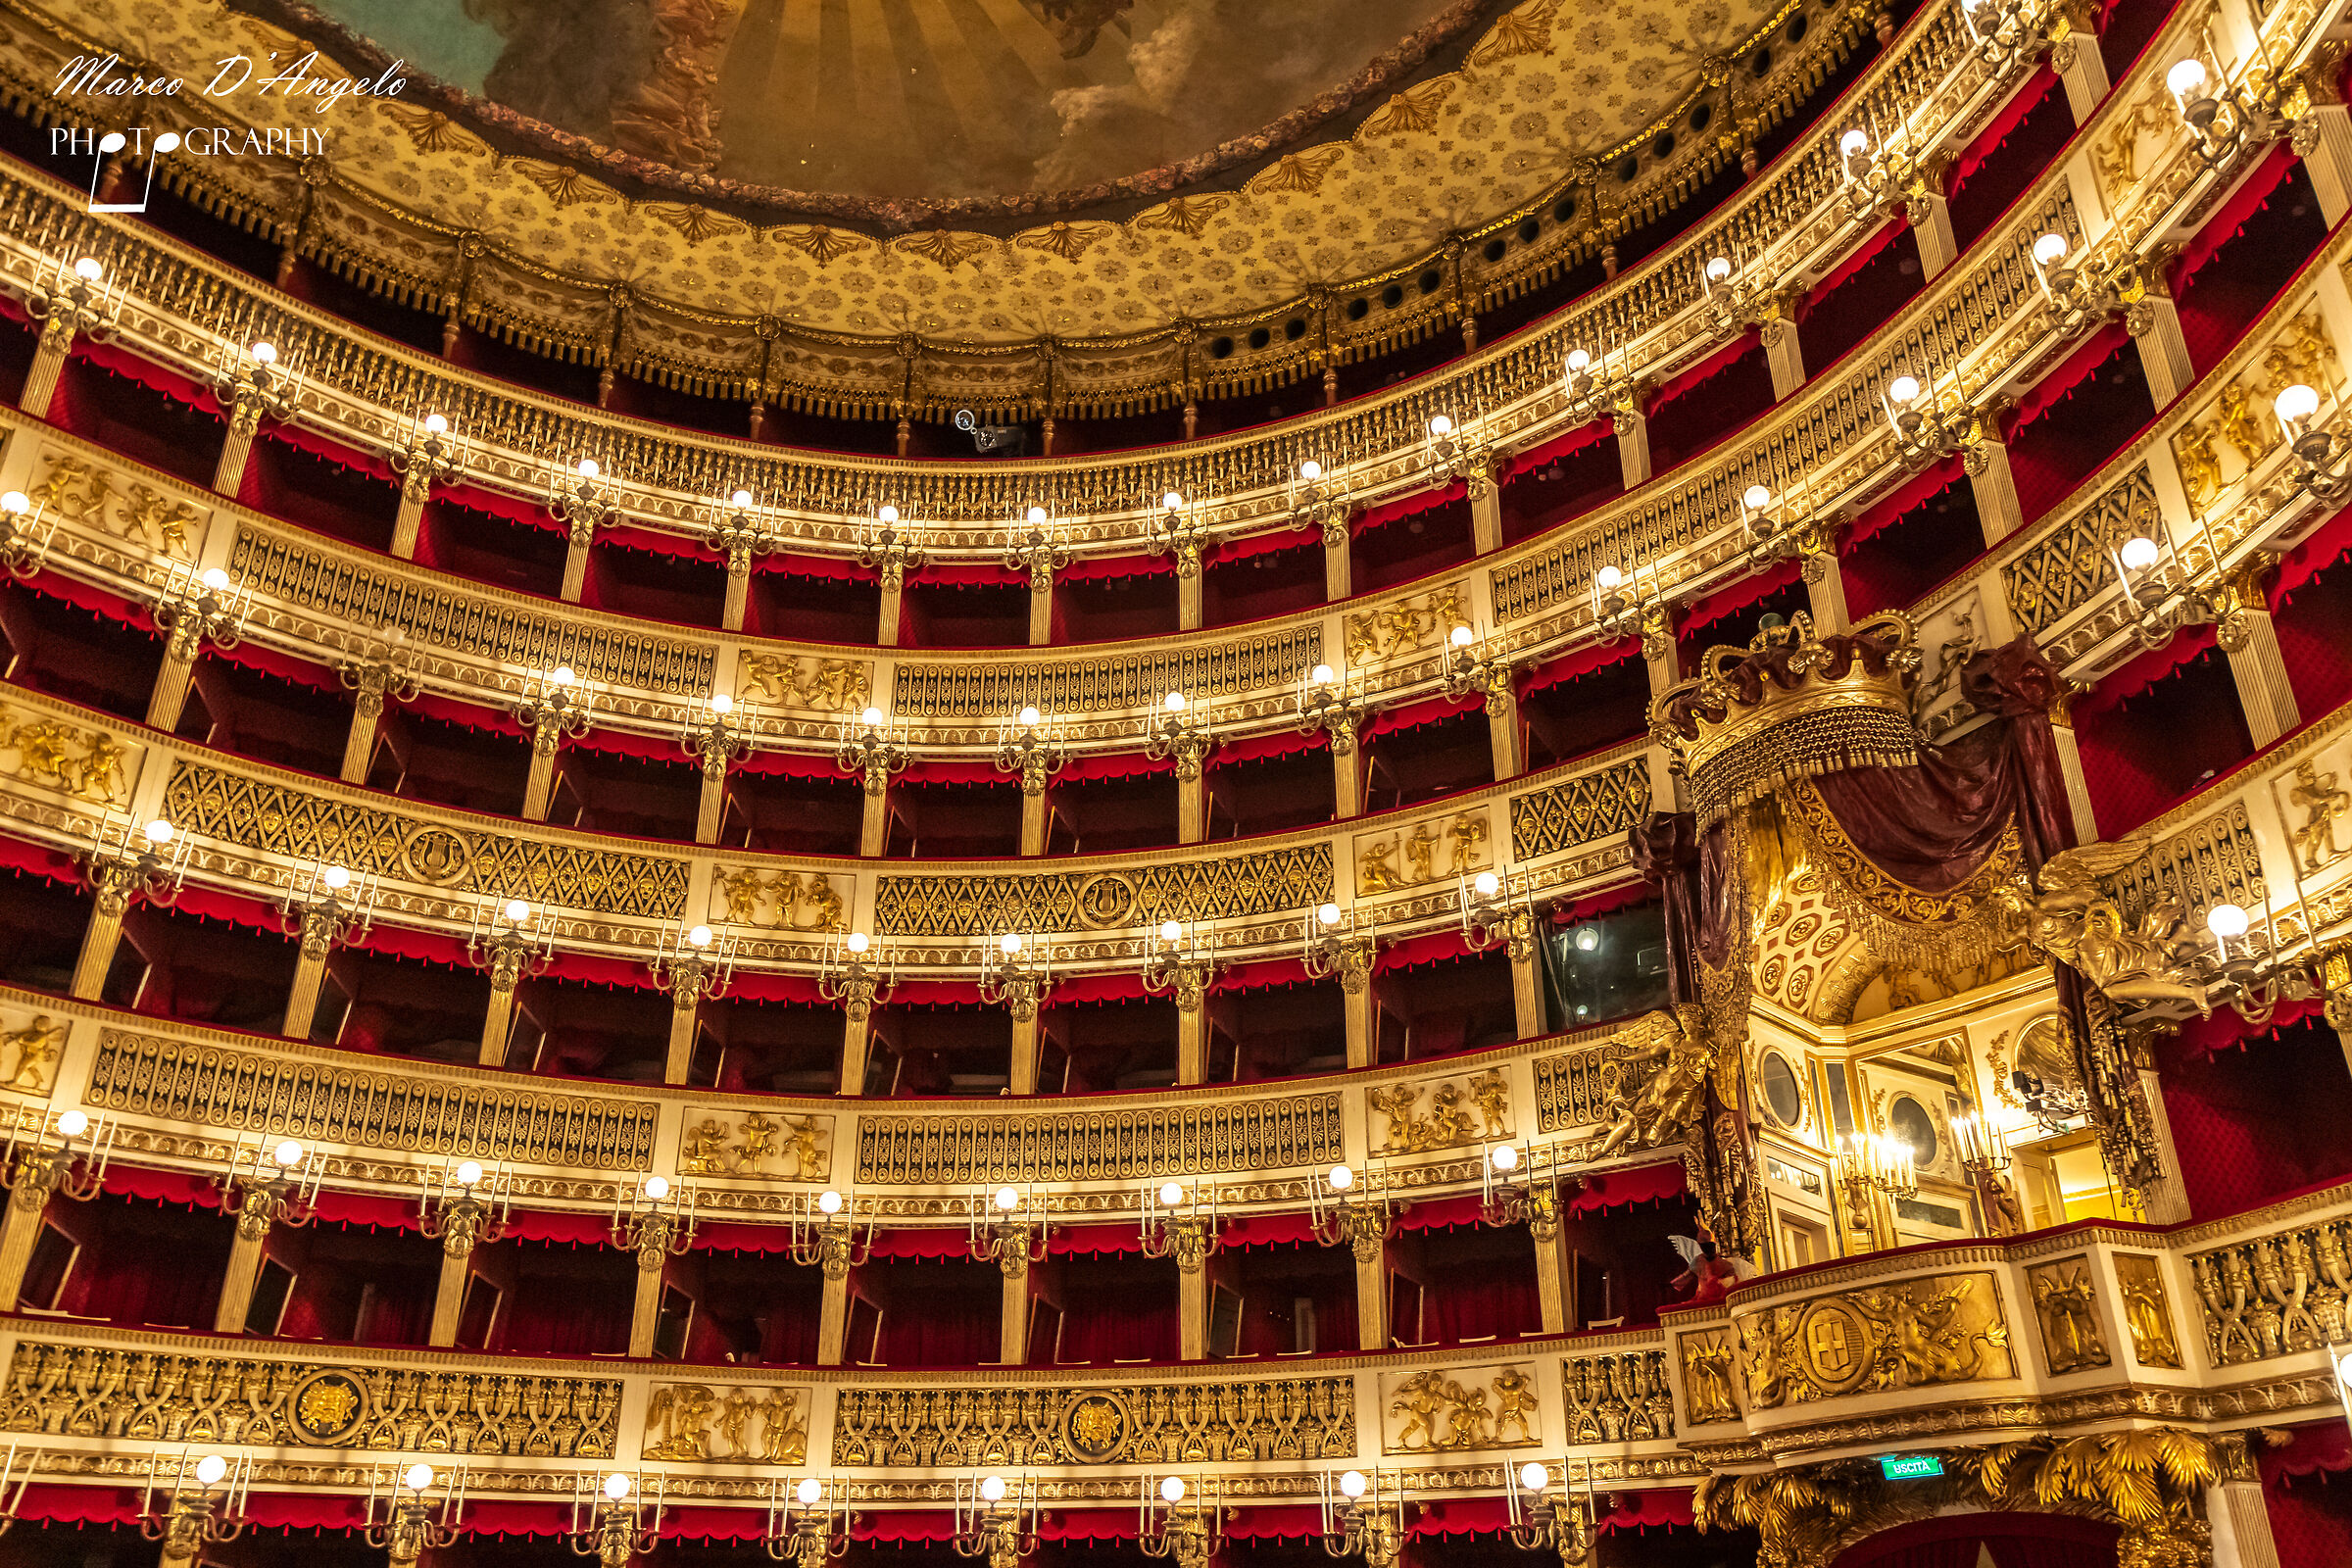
(1909, 1466)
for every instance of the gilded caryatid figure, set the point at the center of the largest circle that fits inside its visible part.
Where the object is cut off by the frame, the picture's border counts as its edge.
(1655, 1093)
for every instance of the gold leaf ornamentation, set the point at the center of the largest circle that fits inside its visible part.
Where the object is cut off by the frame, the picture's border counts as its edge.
(1300, 171)
(1413, 110)
(562, 184)
(695, 223)
(1069, 242)
(1188, 215)
(819, 244)
(947, 249)
(432, 131)
(1524, 31)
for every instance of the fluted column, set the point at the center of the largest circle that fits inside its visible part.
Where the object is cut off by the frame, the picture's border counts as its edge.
(1366, 1230)
(1783, 352)
(1028, 1046)
(2154, 322)
(169, 694)
(2325, 139)
(1013, 1319)
(1552, 1279)
(256, 1212)
(461, 1231)
(1824, 593)
(685, 1014)
(1189, 600)
(48, 364)
(1999, 513)
(1932, 229)
(834, 1248)
(1486, 517)
(1502, 730)
(1189, 1241)
(414, 487)
(2069, 769)
(1632, 443)
(2250, 642)
(1355, 987)
(576, 563)
(112, 884)
(1347, 771)
(2080, 64)
(652, 1244)
(857, 1034)
(712, 804)
(39, 1172)
(1527, 977)
(1040, 609)
(497, 1022)
(539, 787)
(310, 974)
(1337, 568)
(237, 448)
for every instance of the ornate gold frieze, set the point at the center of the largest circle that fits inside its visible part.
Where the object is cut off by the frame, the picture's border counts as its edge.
(1404, 626)
(1471, 1109)
(2214, 860)
(825, 685)
(1432, 851)
(988, 692)
(300, 825)
(1580, 810)
(2312, 801)
(2235, 427)
(756, 1144)
(168, 1398)
(1711, 1378)
(1618, 1398)
(76, 490)
(2274, 1294)
(236, 1090)
(954, 1150)
(76, 759)
(780, 900)
(30, 1043)
(2066, 1302)
(2147, 1309)
(1908, 1334)
(1578, 1088)
(347, 588)
(1234, 887)
(1437, 1411)
(1179, 1423)
(2074, 564)
(698, 1423)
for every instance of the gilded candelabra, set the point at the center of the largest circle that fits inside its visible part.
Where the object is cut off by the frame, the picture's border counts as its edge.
(1788, 528)
(1564, 1522)
(1179, 1224)
(1330, 703)
(510, 939)
(1984, 1160)
(1449, 448)
(408, 1523)
(1478, 667)
(203, 606)
(826, 1231)
(1624, 604)
(1180, 528)
(2220, 119)
(582, 498)
(325, 905)
(1319, 501)
(1179, 729)
(1330, 942)
(886, 547)
(2323, 458)
(201, 1504)
(556, 705)
(1015, 973)
(1594, 387)
(694, 963)
(996, 1520)
(429, 453)
(25, 533)
(1179, 1521)
(1520, 1183)
(855, 975)
(76, 299)
(2083, 295)
(464, 1206)
(123, 864)
(1033, 546)
(273, 1188)
(1930, 422)
(2248, 967)
(2006, 33)
(1730, 299)
(654, 1221)
(609, 1518)
(1344, 1210)
(2166, 597)
(739, 528)
(807, 1521)
(255, 384)
(717, 736)
(1494, 912)
(870, 747)
(55, 1154)
(12, 1497)
(1362, 1517)
(1878, 179)
(1031, 749)
(1180, 962)
(1875, 1171)
(1009, 1227)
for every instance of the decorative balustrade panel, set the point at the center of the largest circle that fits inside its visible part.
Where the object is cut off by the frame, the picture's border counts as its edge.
(2216, 860)
(992, 691)
(142, 1075)
(2276, 1294)
(168, 1398)
(1576, 810)
(2066, 570)
(959, 1151)
(1172, 1423)
(1238, 886)
(1620, 1397)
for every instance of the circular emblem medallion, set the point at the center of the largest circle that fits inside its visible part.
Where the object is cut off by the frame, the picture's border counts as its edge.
(326, 1408)
(1104, 901)
(435, 855)
(1835, 1347)
(1095, 1427)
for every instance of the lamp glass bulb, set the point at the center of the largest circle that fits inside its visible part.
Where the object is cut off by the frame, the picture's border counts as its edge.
(699, 937)
(1029, 717)
(2296, 404)
(2225, 921)
(1586, 940)
(808, 1490)
(1852, 142)
(1172, 502)
(1461, 636)
(888, 515)
(14, 501)
(1328, 915)
(1173, 702)
(1170, 1194)
(1340, 1178)
(2050, 247)
(88, 270)
(1487, 883)
(264, 354)
(1351, 1484)
(859, 942)
(721, 703)
(518, 911)
(565, 675)
(1903, 389)
(1440, 425)
(1170, 931)
(1320, 675)
(1532, 1475)
(2138, 554)
(1610, 579)
(159, 831)
(657, 1188)
(1718, 268)
(418, 1476)
(1579, 361)
(828, 1201)
(589, 469)
(1008, 1200)
(470, 1173)
(1755, 498)
(1505, 1157)
(2186, 77)
(1009, 943)
(741, 500)
(288, 1154)
(1311, 471)
(72, 1124)
(617, 1486)
(215, 578)
(871, 718)
(435, 425)
(992, 1490)
(336, 877)
(1172, 1490)
(1037, 517)
(210, 1469)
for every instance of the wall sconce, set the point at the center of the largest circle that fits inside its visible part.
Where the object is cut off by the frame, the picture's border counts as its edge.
(327, 906)
(123, 863)
(1929, 423)
(1449, 449)
(2165, 596)
(1319, 500)
(1007, 1225)
(2247, 969)
(1878, 179)
(886, 546)
(1179, 729)
(2323, 463)
(1520, 1182)
(1788, 528)
(740, 527)
(825, 1231)
(1362, 1516)
(410, 1524)
(2003, 32)
(75, 299)
(1031, 747)
(466, 1205)
(1179, 1520)
(996, 1519)
(870, 746)
(1567, 1524)
(718, 735)
(1477, 665)
(1178, 959)
(2219, 120)
(556, 705)
(1594, 388)
(1176, 1223)
(1180, 528)
(582, 498)
(25, 533)
(55, 1153)
(2082, 296)
(1624, 604)
(1343, 1207)
(1034, 545)
(694, 963)
(1492, 911)
(1729, 298)
(510, 938)
(203, 1503)
(654, 1220)
(256, 382)
(808, 1520)
(609, 1516)
(855, 973)
(430, 451)
(1330, 703)
(1015, 972)
(1332, 943)
(269, 1185)
(201, 605)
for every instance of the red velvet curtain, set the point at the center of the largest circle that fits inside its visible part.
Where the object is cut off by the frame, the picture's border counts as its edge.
(2310, 1502)
(1108, 1327)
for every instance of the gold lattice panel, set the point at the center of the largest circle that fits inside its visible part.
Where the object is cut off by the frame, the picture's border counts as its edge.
(86, 1391)
(950, 1151)
(2213, 861)
(282, 820)
(924, 1428)
(1580, 809)
(988, 691)
(234, 1091)
(2065, 571)
(1571, 1089)
(1270, 882)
